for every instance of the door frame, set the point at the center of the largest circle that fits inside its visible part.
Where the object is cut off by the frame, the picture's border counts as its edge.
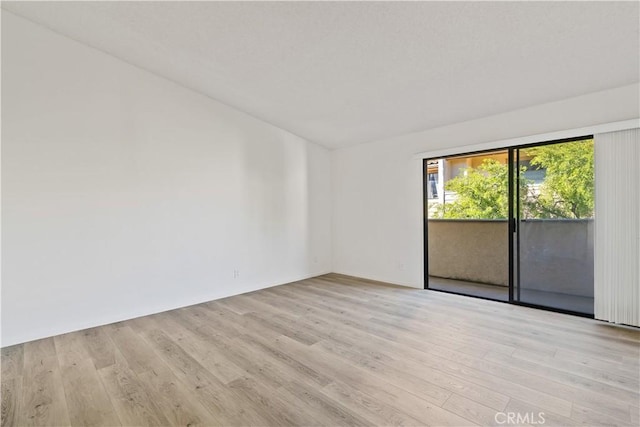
(514, 199)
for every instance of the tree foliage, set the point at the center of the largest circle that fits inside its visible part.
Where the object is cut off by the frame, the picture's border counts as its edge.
(480, 193)
(566, 192)
(568, 187)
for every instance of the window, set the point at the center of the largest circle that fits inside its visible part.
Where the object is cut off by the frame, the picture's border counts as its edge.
(432, 188)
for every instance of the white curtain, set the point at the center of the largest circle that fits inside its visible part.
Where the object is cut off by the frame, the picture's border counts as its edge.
(617, 227)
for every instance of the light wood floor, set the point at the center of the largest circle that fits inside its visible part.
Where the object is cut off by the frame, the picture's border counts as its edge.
(330, 351)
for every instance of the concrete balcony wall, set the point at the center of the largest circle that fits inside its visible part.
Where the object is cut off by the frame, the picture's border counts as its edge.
(473, 250)
(556, 255)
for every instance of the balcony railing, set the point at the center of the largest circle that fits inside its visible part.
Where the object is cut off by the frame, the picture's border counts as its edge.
(555, 255)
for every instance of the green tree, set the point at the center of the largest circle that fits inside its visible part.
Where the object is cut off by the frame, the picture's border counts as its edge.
(566, 192)
(480, 193)
(568, 187)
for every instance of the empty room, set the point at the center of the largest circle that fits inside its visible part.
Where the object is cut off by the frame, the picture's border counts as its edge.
(320, 213)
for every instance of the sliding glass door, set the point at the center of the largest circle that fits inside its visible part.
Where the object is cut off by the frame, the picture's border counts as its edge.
(467, 210)
(553, 225)
(513, 225)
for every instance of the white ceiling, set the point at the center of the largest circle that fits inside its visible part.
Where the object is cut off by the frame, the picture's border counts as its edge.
(345, 73)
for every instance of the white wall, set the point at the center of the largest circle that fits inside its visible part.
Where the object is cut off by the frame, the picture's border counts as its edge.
(125, 194)
(377, 187)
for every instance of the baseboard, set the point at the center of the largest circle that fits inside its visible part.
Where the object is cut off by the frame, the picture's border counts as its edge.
(119, 318)
(377, 281)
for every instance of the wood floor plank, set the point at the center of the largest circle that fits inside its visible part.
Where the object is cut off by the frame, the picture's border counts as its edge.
(635, 415)
(447, 365)
(367, 317)
(420, 379)
(226, 405)
(587, 359)
(432, 358)
(314, 401)
(100, 347)
(36, 351)
(588, 385)
(298, 369)
(473, 374)
(612, 334)
(43, 399)
(287, 329)
(534, 415)
(11, 394)
(380, 412)
(372, 316)
(139, 356)
(585, 415)
(330, 350)
(243, 358)
(129, 397)
(271, 405)
(379, 388)
(12, 361)
(240, 322)
(343, 343)
(177, 403)
(610, 376)
(471, 410)
(184, 332)
(87, 400)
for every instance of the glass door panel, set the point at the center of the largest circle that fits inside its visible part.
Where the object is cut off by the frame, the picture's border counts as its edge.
(553, 195)
(467, 212)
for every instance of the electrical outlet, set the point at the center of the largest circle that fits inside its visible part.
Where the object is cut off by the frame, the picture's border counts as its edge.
(236, 274)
